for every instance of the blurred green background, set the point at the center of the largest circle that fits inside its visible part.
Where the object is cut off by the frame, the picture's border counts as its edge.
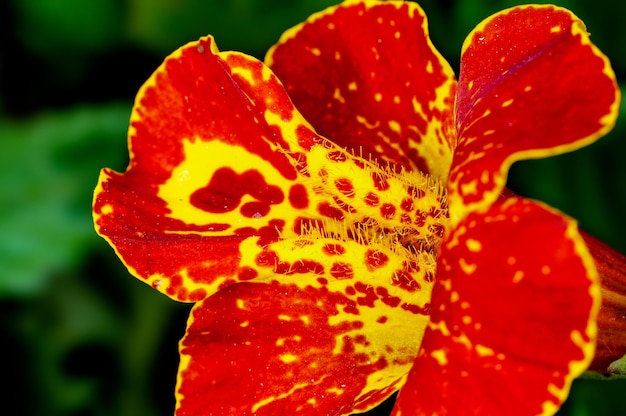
(82, 337)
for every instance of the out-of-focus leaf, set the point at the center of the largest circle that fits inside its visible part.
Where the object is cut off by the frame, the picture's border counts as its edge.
(248, 25)
(595, 398)
(52, 27)
(49, 168)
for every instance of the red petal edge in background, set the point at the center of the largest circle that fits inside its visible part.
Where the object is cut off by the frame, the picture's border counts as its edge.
(516, 319)
(367, 77)
(531, 85)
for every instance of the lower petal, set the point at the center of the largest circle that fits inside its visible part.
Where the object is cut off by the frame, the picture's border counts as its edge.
(275, 348)
(517, 298)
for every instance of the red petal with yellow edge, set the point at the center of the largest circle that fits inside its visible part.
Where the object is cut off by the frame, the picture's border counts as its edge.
(210, 139)
(517, 300)
(531, 85)
(286, 349)
(366, 76)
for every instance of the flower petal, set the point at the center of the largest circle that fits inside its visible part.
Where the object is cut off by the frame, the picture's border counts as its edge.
(315, 340)
(366, 75)
(531, 85)
(208, 139)
(223, 165)
(515, 322)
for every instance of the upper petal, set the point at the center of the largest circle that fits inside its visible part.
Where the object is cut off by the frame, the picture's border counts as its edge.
(366, 75)
(531, 85)
(209, 139)
(517, 297)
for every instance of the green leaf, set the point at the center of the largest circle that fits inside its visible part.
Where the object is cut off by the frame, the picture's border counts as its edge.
(50, 166)
(53, 27)
(246, 25)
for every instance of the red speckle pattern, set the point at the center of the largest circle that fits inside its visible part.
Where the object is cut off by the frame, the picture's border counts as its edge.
(375, 259)
(327, 210)
(341, 271)
(344, 185)
(298, 196)
(226, 188)
(387, 211)
(333, 249)
(404, 280)
(407, 204)
(372, 199)
(380, 181)
(337, 156)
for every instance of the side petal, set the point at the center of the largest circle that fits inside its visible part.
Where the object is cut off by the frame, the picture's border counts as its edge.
(209, 139)
(366, 75)
(531, 85)
(314, 341)
(517, 298)
(223, 165)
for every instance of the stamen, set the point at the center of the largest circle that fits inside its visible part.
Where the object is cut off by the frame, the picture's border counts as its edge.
(403, 211)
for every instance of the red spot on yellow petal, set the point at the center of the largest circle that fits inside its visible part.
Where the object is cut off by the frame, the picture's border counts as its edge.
(298, 196)
(404, 280)
(254, 209)
(267, 259)
(369, 292)
(375, 259)
(380, 181)
(418, 310)
(343, 205)
(387, 298)
(337, 156)
(325, 209)
(341, 271)
(301, 225)
(387, 211)
(344, 185)
(407, 204)
(224, 191)
(333, 249)
(307, 266)
(371, 199)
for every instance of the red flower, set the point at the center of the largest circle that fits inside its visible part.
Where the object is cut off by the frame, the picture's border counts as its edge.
(334, 262)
